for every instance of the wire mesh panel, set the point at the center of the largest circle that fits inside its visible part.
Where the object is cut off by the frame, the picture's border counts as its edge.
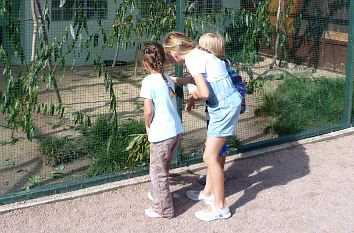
(300, 77)
(70, 89)
(71, 77)
(291, 56)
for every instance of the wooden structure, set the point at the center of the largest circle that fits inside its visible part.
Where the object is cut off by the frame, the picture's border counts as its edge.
(317, 32)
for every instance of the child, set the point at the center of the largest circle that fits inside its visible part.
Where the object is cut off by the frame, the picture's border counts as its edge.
(214, 43)
(214, 86)
(163, 127)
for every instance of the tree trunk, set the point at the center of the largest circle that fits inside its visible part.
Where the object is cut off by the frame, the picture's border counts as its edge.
(116, 54)
(277, 29)
(136, 56)
(46, 41)
(35, 29)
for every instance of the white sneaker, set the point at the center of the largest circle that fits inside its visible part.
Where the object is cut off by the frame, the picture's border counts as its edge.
(150, 196)
(199, 196)
(214, 214)
(152, 214)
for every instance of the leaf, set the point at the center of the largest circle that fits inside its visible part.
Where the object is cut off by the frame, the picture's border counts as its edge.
(56, 175)
(88, 56)
(95, 40)
(62, 112)
(62, 2)
(52, 109)
(132, 143)
(72, 32)
(87, 121)
(60, 167)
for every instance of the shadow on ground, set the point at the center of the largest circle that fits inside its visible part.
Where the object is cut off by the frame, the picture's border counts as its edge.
(249, 177)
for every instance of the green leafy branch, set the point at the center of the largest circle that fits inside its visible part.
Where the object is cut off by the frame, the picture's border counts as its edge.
(138, 149)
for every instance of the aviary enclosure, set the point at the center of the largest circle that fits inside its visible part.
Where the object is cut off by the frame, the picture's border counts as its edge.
(70, 77)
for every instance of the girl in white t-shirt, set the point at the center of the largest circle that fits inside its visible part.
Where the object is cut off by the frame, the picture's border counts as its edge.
(223, 102)
(163, 126)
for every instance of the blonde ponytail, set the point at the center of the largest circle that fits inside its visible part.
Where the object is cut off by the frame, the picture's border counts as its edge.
(178, 42)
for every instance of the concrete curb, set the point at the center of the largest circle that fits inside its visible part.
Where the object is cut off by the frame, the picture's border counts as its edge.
(142, 179)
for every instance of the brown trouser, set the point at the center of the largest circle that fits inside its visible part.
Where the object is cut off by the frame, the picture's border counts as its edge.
(161, 154)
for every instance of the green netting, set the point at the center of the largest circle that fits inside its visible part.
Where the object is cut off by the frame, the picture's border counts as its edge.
(71, 75)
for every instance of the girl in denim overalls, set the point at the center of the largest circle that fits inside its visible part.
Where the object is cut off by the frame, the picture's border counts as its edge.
(215, 87)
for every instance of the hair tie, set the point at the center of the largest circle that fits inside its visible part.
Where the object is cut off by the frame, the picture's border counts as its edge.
(203, 49)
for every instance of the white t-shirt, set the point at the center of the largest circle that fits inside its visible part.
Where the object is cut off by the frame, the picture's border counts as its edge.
(202, 62)
(166, 122)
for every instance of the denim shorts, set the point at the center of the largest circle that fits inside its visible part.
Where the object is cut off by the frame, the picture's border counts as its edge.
(224, 105)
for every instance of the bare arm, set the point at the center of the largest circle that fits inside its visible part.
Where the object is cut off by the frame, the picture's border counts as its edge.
(183, 81)
(148, 113)
(203, 92)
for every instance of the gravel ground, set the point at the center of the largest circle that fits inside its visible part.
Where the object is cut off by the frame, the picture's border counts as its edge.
(305, 188)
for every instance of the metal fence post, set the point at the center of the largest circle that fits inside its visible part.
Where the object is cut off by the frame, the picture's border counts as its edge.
(348, 101)
(180, 6)
(179, 69)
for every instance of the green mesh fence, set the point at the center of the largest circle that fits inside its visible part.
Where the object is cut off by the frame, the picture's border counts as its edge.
(71, 74)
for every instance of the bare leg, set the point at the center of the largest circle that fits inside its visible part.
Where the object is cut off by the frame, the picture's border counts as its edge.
(221, 160)
(215, 171)
(208, 188)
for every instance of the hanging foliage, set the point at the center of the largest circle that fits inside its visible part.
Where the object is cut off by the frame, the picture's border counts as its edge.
(134, 22)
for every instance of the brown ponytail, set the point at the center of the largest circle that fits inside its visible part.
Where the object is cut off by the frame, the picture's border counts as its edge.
(154, 55)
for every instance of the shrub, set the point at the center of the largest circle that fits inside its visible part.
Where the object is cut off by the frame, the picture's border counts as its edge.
(233, 143)
(106, 144)
(300, 104)
(34, 181)
(57, 150)
(95, 136)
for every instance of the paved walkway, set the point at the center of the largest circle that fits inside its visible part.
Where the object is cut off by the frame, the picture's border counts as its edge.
(304, 188)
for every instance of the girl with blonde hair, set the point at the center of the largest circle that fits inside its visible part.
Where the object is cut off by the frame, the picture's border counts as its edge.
(215, 87)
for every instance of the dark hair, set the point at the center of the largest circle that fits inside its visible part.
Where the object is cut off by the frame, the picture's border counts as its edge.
(154, 55)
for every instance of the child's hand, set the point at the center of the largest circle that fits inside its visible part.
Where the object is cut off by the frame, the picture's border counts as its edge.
(174, 79)
(190, 105)
(194, 95)
(182, 81)
(192, 90)
(147, 130)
